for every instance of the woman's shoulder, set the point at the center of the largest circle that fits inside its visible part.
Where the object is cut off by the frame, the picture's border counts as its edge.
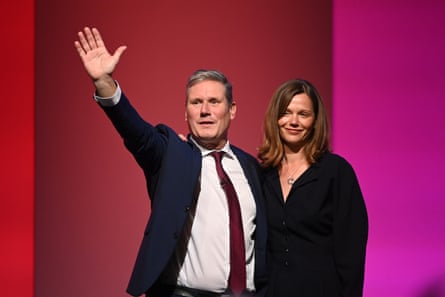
(269, 172)
(332, 159)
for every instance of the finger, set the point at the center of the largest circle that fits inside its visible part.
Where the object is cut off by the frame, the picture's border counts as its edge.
(90, 38)
(97, 37)
(83, 41)
(79, 48)
(119, 51)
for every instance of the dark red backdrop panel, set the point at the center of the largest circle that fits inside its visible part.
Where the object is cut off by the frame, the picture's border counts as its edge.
(91, 203)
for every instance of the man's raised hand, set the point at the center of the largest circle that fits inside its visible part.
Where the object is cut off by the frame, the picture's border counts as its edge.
(96, 59)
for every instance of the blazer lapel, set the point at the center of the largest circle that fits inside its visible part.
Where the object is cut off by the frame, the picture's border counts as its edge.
(250, 173)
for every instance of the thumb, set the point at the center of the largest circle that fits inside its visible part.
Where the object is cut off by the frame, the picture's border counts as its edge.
(119, 51)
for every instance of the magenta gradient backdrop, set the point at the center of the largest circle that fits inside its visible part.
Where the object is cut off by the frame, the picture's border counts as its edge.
(381, 63)
(388, 111)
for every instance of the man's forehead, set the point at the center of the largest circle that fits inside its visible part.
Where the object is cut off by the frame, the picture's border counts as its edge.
(206, 89)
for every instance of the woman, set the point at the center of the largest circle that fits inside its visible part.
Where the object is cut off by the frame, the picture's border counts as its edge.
(317, 220)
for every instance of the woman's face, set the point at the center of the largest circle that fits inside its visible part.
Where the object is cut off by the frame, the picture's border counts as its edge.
(297, 120)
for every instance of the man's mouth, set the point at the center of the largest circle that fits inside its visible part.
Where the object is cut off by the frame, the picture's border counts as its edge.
(206, 123)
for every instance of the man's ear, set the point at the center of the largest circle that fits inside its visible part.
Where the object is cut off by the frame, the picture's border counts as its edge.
(232, 110)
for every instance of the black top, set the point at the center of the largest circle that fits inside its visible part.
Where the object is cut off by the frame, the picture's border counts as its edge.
(317, 238)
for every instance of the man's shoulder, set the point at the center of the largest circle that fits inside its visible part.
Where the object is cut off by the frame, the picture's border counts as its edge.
(240, 153)
(168, 132)
(175, 141)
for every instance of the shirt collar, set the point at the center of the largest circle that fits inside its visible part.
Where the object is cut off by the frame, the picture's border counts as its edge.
(205, 152)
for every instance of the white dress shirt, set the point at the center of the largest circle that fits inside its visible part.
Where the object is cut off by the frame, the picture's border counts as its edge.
(207, 261)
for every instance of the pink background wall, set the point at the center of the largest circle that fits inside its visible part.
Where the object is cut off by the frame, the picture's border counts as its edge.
(388, 110)
(388, 77)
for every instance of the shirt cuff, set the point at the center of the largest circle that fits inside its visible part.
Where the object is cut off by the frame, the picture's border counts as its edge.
(110, 101)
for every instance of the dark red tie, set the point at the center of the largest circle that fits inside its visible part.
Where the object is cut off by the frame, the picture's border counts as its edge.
(237, 277)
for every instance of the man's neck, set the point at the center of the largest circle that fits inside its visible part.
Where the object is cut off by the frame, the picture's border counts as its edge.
(211, 146)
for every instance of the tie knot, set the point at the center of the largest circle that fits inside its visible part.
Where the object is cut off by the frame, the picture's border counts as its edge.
(217, 155)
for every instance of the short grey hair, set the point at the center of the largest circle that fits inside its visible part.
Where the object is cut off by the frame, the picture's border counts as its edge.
(214, 75)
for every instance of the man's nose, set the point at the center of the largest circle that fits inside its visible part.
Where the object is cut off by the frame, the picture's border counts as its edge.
(205, 108)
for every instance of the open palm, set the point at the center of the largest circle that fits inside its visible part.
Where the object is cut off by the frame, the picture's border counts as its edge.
(95, 57)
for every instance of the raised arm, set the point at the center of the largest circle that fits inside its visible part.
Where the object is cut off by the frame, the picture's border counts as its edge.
(98, 62)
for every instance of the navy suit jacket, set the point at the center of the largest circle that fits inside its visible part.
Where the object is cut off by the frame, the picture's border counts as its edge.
(172, 168)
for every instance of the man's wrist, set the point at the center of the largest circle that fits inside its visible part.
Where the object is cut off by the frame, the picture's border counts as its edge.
(111, 100)
(105, 86)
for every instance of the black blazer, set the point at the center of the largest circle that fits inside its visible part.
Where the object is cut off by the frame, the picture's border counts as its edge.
(317, 239)
(172, 168)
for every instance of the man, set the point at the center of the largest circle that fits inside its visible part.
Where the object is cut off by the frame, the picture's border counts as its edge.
(186, 249)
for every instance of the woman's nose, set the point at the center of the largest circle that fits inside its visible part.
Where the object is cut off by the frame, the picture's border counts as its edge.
(293, 120)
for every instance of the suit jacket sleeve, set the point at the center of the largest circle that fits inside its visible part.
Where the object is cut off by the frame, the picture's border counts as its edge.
(138, 135)
(159, 152)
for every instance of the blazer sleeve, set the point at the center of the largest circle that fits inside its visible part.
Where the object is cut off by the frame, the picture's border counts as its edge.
(350, 231)
(146, 143)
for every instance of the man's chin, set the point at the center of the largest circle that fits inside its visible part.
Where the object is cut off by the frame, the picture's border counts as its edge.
(209, 142)
(205, 139)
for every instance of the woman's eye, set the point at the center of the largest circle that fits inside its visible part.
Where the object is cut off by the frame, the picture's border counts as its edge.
(305, 114)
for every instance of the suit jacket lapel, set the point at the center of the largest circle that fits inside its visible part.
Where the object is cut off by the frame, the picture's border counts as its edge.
(250, 172)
